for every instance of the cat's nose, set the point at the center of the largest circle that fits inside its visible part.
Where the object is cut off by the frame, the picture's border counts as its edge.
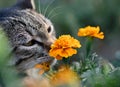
(50, 41)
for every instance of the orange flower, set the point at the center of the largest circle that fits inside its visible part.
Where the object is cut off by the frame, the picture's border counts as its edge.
(43, 67)
(64, 76)
(64, 47)
(91, 31)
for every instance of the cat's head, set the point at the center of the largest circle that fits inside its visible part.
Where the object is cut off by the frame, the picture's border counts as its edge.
(29, 32)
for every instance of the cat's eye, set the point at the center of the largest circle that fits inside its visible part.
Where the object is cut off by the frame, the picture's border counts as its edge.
(33, 42)
(49, 29)
(30, 43)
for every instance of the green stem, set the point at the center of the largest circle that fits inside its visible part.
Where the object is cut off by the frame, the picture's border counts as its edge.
(88, 46)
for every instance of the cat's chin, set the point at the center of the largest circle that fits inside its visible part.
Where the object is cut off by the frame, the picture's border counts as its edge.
(33, 72)
(31, 62)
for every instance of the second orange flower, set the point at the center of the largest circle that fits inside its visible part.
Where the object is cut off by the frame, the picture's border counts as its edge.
(91, 31)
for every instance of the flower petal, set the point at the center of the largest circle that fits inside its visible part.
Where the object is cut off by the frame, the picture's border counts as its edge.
(63, 47)
(91, 31)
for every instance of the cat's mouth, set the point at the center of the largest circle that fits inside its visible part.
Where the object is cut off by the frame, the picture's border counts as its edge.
(43, 59)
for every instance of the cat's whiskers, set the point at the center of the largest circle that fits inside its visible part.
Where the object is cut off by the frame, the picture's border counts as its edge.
(53, 10)
(55, 15)
(50, 16)
(39, 6)
(46, 9)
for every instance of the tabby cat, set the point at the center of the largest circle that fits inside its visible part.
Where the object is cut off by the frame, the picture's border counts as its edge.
(29, 32)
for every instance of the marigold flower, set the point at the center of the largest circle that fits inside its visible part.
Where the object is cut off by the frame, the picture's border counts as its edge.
(64, 76)
(43, 67)
(64, 47)
(91, 31)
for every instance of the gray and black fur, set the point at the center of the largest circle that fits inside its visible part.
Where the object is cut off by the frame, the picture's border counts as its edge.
(30, 34)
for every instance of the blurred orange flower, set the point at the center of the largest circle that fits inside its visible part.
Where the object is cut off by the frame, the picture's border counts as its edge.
(64, 47)
(91, 31)
(65, 76)
(43, 67)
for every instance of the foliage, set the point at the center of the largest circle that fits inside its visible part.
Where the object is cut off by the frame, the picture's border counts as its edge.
(91, 70)
(8, 76)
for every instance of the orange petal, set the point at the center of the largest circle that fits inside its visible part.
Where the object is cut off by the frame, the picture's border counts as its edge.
(41, 72)
(38, 66)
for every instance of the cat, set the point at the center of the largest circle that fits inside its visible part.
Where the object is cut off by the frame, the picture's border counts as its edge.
(30, 34)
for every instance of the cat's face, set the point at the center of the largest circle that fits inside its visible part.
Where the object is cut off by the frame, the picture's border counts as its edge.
(30, 35)
(32, 41)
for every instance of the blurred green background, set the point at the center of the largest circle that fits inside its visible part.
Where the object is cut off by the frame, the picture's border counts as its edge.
(69, 15)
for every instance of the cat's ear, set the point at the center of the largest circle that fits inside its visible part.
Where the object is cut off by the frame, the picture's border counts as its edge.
(25, 4)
